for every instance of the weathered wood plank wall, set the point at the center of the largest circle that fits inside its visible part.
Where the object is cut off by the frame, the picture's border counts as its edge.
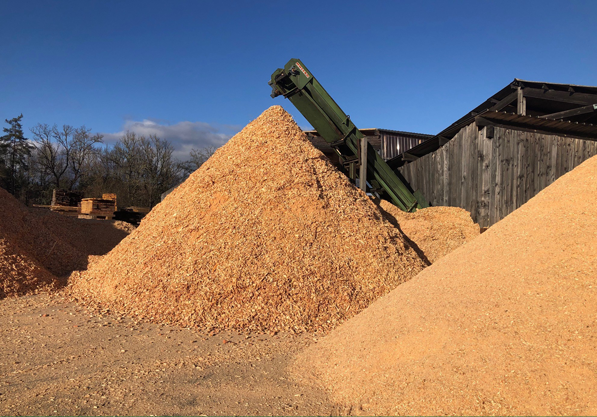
(491, 177)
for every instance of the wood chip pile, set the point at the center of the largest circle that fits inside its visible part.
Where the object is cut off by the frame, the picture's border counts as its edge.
(58, 243)
(20, 272)
(267, 235)
(89, 237)
(436, 231)
(506, 324)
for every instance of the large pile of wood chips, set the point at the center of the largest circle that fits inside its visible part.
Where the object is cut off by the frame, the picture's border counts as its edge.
(434, 231)
(267, 235)
(506, 324)
(38, 246)
(20, 272)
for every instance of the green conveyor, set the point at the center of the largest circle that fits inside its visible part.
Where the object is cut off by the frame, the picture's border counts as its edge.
(296, 83)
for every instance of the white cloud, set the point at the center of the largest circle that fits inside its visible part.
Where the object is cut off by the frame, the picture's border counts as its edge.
(184, 136)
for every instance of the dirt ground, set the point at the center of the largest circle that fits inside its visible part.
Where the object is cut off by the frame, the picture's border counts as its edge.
(58, 358)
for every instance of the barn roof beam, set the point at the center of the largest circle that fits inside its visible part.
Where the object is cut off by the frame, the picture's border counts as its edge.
(504, 102)
(409, 157)
(562, 96)
(570, 113)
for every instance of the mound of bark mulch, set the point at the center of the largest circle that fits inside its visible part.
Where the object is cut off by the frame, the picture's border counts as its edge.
(435, 231)
(506, 324)
(267, 235)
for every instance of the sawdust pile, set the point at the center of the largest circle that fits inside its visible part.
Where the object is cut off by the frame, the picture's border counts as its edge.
(506, 324)
(267, 235)
(56, 243)
(436, 231)
(20, 273)
(85, 236)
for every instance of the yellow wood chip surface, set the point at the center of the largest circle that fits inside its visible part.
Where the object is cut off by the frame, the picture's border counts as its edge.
(267, 235)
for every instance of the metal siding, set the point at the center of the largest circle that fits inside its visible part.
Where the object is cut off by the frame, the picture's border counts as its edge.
(394, 145)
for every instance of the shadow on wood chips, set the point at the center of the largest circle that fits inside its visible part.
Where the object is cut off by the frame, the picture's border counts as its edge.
(39, 249)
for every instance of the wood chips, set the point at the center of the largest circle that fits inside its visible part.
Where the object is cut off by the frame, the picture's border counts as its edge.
(505, 324)
(267, 235)
(20, 272)
(434, 231)
(36, 246)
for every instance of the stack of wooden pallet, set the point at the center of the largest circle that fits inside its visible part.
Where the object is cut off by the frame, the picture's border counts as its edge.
(110, 196)
(98, 208)
(66, 202)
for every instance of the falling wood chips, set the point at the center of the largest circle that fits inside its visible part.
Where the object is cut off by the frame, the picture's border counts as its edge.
(434, 231)
(506, 324)
(267, 235)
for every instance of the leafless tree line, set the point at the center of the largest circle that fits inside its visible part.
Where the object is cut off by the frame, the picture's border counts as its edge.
(137, 168)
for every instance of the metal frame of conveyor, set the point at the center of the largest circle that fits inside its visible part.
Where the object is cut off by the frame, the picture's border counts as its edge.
(296, 83)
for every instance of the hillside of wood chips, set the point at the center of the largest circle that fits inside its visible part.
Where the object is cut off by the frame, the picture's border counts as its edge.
(20, 273)
(38, 246)
(88, 237)
(505, 324)
(436, 231)
(266, 235)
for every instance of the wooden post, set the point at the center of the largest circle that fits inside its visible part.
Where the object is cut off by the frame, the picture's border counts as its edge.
(521, 103)
(363, 168)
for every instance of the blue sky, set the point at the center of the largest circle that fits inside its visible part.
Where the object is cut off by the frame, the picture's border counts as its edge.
(196, 71)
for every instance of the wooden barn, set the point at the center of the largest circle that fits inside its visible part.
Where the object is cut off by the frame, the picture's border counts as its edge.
(502, 153)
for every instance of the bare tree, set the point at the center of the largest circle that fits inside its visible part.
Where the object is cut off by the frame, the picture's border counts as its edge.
(160, 171)
(126, 158)
(137, 168)
(198, 158)
(145, 167)
(54, 149)
(82, 149)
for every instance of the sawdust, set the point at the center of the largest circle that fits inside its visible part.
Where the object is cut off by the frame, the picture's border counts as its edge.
(436, 231)
(38, 246)
(85, 236)
(267, 235)
(505, 324)
(20, 273)
(124, 226)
